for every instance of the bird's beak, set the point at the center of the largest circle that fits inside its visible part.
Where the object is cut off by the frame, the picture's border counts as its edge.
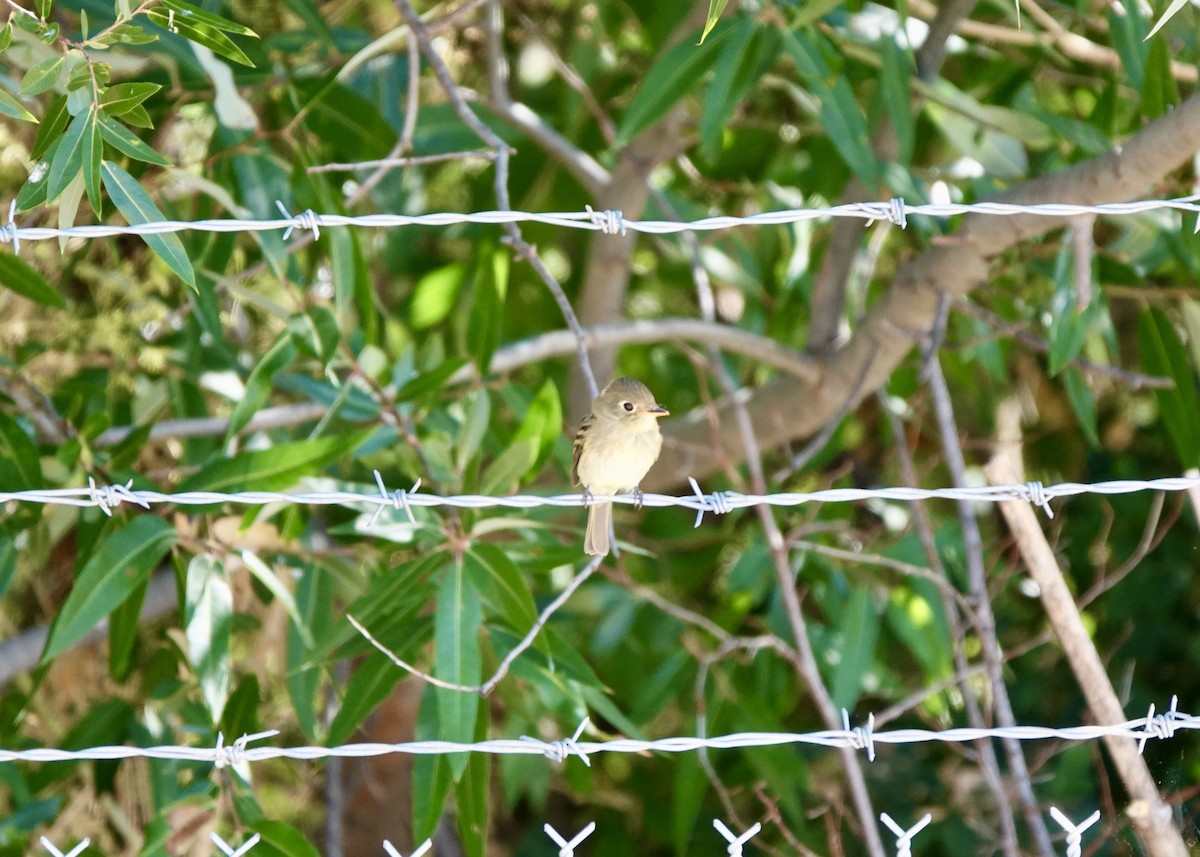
(658, 411)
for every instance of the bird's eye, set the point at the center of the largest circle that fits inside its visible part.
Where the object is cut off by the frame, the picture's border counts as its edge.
(627, 406)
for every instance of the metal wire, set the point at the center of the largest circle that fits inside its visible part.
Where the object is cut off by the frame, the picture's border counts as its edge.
(895, 211)
(109, 497)
(1142, 729)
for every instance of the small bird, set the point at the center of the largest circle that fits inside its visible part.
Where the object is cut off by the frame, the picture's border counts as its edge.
(614, 448)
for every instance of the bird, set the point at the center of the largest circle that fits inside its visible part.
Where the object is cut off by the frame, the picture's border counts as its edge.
(615, 446)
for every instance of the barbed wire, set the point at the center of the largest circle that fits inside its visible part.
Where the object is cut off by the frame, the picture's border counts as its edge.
(895, 211)
(1160, 726)
(735, 843)
(110, 497)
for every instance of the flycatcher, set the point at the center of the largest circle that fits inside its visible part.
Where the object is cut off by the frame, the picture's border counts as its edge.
(614, 448)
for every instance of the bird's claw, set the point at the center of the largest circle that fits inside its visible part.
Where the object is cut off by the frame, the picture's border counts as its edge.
(587, 497)
(638, 496)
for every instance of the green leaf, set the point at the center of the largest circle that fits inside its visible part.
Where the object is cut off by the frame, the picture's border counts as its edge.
(371, 683)
(136, 207)
(431, 779)
(1163, 354)
(208, 624)
(92, 148)
(260, 383)
(502, 584)
(281, 840)
(743, 59)
(274, 469)
(17, 275)
(1127, 31)
(677, 72)
(8, 562)
(123, 629)
(435, 294)
(12, 108)
(457, 621)
(542, 424)
(1083, 402)
(1167, 15)
(186, 13)
(486, 321)
(894, 77)
(121, 563)
(859, 629)
(120, 98)
(53, 123)
(314, 603)
(813, 11)
(509, 467)
(20, 467)
(471, 793)
(128, 143)
(429, 382)
(43, 76)
(201, 33)
(6, 35)
(315, 332)
(478, 408)
(715, 8)
(1159, 90)
(846, 126)
(68, 158)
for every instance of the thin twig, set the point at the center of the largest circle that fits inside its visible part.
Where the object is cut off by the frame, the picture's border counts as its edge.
(488, 686)
(414, 160)
(985, 621)
(502, 153)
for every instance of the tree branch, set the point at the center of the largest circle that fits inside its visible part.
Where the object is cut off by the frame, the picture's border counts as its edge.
(786, 409)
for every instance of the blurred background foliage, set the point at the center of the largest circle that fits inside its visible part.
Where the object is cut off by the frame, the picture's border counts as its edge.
(113, 349)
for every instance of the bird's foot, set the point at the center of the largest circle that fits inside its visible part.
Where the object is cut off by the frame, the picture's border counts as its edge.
(638, 496)
(587, 497)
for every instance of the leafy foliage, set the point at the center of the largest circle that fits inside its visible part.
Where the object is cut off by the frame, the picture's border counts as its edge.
(220, 361)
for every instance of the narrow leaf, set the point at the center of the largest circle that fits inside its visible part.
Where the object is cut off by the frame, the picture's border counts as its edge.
(208, 621)
(457, 621)
(17, 275)
(120, 564)
(136, 207)
(128, 143)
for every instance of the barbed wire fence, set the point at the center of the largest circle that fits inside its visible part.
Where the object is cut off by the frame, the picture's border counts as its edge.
(1153, 726)
(109, 498)
(895, 211)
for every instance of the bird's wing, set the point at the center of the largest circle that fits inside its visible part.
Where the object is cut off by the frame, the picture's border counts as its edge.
(578, 447)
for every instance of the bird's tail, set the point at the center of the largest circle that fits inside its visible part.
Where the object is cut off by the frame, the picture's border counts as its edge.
(596, 542)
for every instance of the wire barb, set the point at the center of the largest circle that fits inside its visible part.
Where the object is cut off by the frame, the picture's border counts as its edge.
(228, 850)
(560, 751)
(1035, 493)
(74, 852)
(394, 852)
(736, 843)
(861, 738)
(717, 502)
(904, 837)
(9, 234)
(234, 754)
(1162, 726)
(109, 497)
(610, 221)
(565, 848)
(307, 219)
(1074, 831)
(398, 500)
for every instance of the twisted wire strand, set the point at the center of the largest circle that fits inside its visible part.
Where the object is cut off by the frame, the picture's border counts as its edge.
(1161, 726)
(110, 497)
(895, 211)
